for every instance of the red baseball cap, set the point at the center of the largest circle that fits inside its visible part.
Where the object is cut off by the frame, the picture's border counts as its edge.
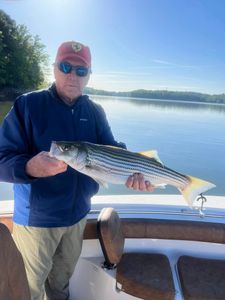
(73, 51)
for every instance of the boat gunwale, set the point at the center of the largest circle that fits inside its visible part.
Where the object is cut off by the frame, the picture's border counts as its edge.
(139, 228)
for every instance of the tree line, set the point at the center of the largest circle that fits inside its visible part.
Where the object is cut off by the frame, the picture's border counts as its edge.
(23, 60)
(163, 95)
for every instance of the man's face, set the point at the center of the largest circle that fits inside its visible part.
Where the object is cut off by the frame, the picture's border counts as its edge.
(70, 86)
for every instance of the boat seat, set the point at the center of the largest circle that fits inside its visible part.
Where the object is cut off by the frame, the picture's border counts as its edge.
(13, 280)
(201, 278)
(143, 275)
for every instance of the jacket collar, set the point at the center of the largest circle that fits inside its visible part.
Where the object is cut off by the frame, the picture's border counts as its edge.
(54, 94)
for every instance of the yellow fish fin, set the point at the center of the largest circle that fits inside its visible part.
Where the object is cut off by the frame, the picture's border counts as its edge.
(152, 154)
(194, 188)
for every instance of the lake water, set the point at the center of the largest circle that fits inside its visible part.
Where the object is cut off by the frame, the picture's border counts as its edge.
(189, 138)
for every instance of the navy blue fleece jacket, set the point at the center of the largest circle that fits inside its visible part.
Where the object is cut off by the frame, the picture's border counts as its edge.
(34, 121)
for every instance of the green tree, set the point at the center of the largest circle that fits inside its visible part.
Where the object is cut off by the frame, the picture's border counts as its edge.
(23, 59)
(7, 31)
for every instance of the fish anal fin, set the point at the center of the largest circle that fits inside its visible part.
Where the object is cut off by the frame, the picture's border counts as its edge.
(101, 182)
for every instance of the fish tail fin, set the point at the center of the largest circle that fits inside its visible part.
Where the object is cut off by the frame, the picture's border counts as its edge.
(194, 188)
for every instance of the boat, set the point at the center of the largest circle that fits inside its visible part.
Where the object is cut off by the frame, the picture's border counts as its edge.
(149, 247)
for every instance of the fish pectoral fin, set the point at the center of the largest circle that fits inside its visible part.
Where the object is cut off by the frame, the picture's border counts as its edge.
(101, 182)
(152, 154)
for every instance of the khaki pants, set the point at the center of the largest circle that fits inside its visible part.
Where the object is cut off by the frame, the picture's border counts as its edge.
(50, 256)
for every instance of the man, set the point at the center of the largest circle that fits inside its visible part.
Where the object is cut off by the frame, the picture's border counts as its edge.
(51, 199)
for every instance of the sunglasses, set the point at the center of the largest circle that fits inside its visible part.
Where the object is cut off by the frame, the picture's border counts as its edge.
(67, 68)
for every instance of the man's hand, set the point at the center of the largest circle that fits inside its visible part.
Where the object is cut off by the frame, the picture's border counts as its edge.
(137, 182)
(42, 165)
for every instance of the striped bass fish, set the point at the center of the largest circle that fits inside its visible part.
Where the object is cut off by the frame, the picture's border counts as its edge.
(109, 164)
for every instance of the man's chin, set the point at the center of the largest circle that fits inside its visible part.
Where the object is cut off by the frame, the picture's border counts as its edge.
(72, 91)
(72, 96)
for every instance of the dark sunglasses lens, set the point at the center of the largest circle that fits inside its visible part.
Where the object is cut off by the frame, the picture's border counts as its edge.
(81, 71)
(65, 67)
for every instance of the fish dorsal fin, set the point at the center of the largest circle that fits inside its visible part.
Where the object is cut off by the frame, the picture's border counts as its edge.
(114, 147)
(152, 154)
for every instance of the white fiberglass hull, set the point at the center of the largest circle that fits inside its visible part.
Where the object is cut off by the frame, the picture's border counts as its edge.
(91, 281)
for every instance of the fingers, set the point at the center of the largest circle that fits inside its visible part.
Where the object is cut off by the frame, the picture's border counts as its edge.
(149, 187)
(42, 165)
(137, 182)
(54, 162)
(129, 182)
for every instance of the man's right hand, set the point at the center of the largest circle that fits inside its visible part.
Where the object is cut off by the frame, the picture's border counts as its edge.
(42, 165)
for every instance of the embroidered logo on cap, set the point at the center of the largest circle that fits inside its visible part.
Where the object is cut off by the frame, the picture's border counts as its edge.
(76, 46)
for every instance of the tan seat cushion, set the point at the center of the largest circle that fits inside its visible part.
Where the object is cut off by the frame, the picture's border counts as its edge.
(13, 280)
(110, 234)
(147, 276)
(202, 279)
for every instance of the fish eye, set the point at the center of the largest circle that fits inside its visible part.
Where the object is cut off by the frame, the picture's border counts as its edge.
(66, 147)
(63, 148)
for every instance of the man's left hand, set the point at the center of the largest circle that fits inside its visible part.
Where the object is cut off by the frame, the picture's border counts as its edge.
(137, 182)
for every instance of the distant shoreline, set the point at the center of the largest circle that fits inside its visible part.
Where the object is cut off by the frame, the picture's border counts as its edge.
(10, 94)
(162, 95)
(159, 100)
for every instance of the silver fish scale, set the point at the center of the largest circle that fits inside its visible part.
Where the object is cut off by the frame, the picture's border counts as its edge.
(122, 162)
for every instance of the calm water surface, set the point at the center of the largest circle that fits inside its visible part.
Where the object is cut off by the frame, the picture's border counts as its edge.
(189, 138)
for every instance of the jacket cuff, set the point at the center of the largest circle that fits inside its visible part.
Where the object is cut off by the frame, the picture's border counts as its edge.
(20, 175)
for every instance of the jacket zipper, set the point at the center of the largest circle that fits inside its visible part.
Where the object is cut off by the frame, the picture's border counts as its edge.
(75, 191)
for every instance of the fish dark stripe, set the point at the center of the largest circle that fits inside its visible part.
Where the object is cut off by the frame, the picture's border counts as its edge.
(147, 161)
(115, 152)
(116, 159)
(128, 158)
(116, 162)
(153, 177)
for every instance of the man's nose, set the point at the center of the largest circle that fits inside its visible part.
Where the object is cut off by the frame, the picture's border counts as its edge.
(72, 75)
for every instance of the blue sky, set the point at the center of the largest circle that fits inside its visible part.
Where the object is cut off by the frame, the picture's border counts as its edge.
(149, 44)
